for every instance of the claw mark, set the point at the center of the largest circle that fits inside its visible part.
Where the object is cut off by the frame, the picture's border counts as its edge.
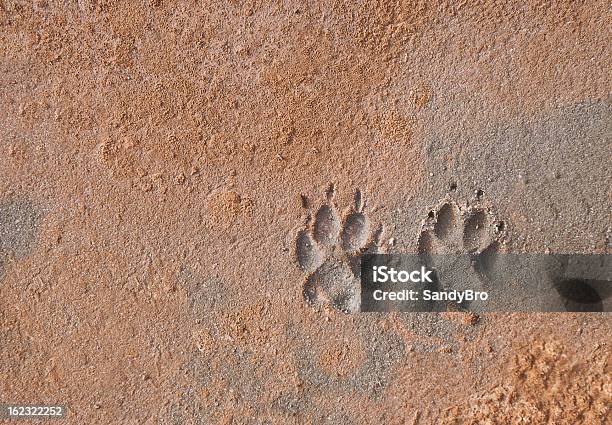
(358, 201)
(330, 192)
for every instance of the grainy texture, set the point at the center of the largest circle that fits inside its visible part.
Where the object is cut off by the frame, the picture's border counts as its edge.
(162, 162)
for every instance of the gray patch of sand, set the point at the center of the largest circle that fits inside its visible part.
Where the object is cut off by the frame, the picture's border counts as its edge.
(19, 221)
(18, 227)
(545, 172)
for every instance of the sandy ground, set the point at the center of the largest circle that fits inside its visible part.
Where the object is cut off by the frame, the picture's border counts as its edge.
(159, 161)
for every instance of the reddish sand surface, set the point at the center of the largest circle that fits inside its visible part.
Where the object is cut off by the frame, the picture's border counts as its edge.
(159, 159)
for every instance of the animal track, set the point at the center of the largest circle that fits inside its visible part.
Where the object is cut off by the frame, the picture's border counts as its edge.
(329, 251)
(461, 242)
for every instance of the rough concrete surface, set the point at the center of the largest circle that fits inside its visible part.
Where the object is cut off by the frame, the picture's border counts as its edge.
(184, 186)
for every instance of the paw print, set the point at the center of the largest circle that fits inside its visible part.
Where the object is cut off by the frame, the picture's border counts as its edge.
(329, 249)
(455, 229)
(462, 243)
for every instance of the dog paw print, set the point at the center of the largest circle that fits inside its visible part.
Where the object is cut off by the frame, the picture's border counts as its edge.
(329, 249)
(461, 242)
